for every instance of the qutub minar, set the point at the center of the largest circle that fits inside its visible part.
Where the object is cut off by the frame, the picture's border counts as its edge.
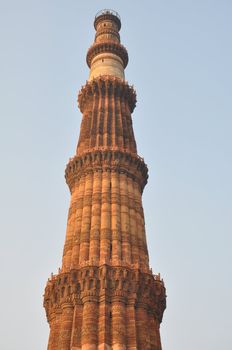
(105, 296)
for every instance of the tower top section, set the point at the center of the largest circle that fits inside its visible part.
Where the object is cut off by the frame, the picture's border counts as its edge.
(107, 57)
(107, 14)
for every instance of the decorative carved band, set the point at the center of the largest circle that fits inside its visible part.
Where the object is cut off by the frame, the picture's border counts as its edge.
(111, 47)
(107, 160)
(114, 282)
(107, 31)
(107, 85)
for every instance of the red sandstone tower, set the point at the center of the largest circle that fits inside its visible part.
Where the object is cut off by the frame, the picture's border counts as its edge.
(105, 296)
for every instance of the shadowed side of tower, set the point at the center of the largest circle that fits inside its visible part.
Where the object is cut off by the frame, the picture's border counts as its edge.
(105, 296)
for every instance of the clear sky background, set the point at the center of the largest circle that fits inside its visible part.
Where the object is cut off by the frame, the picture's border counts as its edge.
(180, 63)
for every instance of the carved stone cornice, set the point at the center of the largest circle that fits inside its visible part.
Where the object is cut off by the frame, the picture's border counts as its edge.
(111, 47)
(91, 283)
(107, 31)
(106, 85)
(113, 161)
(68, 303)
(89, 296)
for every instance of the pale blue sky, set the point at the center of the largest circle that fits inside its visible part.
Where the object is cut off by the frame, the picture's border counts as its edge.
(180, 64)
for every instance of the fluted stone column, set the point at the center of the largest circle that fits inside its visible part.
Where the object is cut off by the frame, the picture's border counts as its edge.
(125, 219)
(131, 325)
(101, 110)
(74, 251)
(143, 254)
(66, 327)
(51, 339)
(119, 118)
(67, 254)
(94, 250)
(89, 335)
(116, 218)
(77, 326)
(57, 327)
(104, 323)
(118, 323)
(153, 335)
(105, 218)
(142, 326)
(81, 191)
(86, 218)
(133, 223)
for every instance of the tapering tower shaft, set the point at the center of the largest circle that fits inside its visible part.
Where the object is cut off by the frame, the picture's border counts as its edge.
(105, 295)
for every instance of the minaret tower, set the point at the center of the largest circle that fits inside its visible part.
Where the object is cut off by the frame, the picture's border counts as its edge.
(105, 296)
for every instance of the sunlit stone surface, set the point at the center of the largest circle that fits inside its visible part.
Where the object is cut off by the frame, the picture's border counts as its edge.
(105, 296)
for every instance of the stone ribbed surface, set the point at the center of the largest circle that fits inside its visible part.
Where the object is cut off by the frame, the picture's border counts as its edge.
(105, 296)
(106, 104)
(111, 47)
(114, 305)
